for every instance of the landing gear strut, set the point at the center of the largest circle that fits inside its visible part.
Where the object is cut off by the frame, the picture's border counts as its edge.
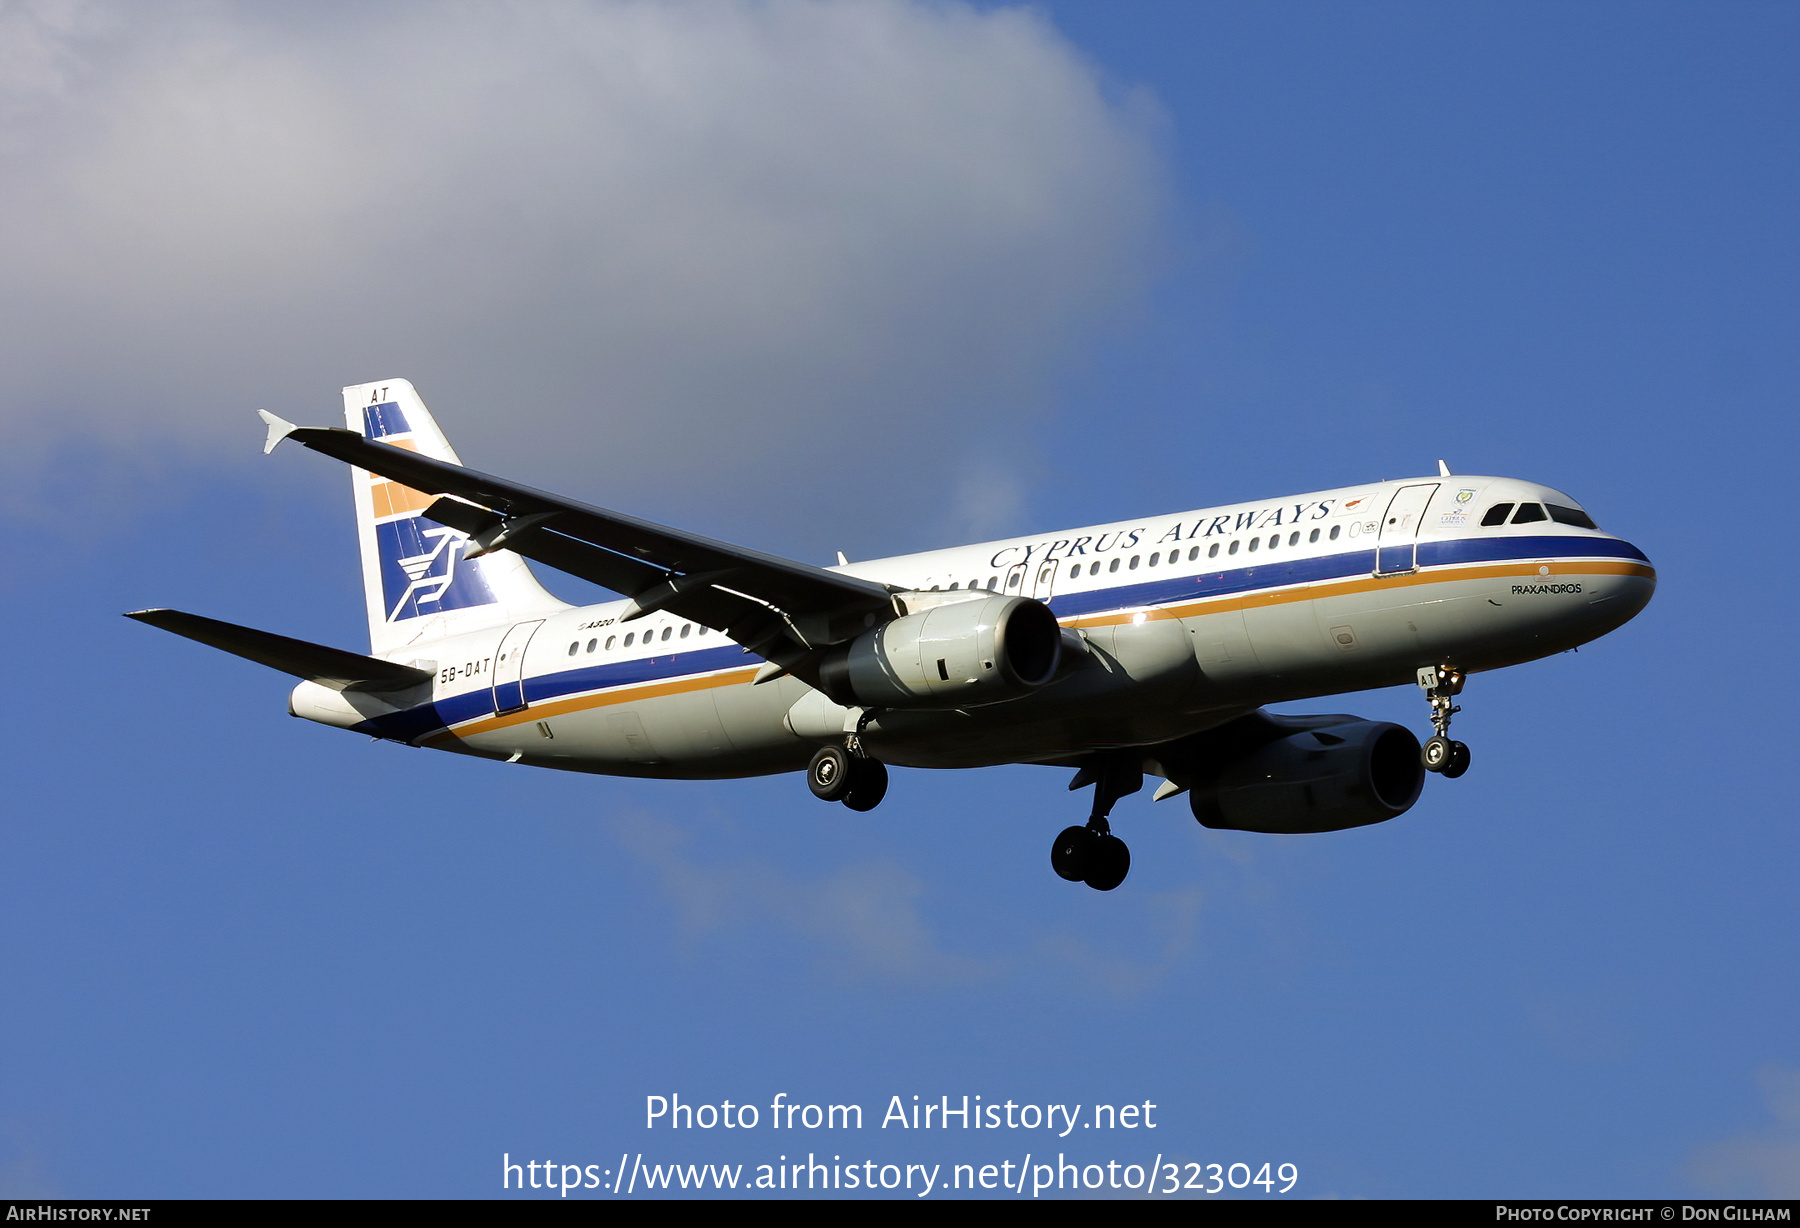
(845, 774)
(1092, 854)
(1441, 684)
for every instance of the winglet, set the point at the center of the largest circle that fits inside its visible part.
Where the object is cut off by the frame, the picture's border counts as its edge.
(279, 429)
(1443, 470)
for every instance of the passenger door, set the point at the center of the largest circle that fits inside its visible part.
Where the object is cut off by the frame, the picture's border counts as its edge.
(509, 667)
(1397, 547)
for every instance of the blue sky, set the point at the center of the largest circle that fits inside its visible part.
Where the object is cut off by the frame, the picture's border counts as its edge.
(879, 278)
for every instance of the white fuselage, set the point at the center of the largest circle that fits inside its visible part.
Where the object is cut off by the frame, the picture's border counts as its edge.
(1184, 622)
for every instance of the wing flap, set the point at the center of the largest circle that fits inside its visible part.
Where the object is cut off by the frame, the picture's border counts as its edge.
(798, 589)
(743, 618)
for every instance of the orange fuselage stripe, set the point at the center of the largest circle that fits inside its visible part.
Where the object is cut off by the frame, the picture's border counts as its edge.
(1238, 601)
(1364, 584)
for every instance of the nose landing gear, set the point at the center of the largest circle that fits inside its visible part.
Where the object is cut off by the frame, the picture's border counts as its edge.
(1441, 684)
(1092, 854)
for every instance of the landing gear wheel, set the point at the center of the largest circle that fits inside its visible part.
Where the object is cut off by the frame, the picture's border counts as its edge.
(1108, 864)
(868, 784)
(831, 774)
(1073, 853)
(1442, 684)
(1438, 754)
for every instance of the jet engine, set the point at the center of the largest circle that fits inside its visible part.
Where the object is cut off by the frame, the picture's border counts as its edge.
(956, 655)
(1327, 778)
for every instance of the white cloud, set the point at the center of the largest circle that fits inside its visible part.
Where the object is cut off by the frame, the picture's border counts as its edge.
(839, 244)
(1173, 916)
(868, 922)
(862, 919)
(1763, 1164)
(22, 1168)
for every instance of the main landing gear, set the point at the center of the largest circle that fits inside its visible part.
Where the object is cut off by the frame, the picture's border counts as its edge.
(1092, 854)
(847, 775)
(1441, 684)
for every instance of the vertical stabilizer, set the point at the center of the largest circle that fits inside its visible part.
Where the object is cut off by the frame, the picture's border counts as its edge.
(417, 584)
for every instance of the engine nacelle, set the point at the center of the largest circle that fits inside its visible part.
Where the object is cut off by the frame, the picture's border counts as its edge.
(961, 654)
(1325, 779)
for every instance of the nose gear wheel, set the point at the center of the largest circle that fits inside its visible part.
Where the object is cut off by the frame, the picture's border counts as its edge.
(1440, 754)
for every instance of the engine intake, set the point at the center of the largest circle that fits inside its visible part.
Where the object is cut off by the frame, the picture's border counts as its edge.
(1325, 779)
(986, 650)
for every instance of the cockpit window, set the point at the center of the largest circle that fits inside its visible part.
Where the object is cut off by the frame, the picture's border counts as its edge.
(1571, 515)
(1529, 513)
(1497, 514)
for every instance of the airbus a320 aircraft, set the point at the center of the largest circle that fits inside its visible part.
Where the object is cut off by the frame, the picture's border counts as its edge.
(1143, 647)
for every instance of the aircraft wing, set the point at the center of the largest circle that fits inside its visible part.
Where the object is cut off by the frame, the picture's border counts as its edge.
(775, 606)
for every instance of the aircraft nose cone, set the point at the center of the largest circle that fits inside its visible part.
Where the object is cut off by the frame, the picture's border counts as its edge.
(1618, 596)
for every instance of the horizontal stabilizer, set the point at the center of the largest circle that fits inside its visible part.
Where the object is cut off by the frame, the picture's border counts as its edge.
(331, 667)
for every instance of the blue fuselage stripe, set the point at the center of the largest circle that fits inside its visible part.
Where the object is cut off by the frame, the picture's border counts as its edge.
(1188, 587)
(473, 705)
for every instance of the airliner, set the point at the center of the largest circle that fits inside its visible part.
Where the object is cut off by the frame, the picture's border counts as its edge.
(1146, 647)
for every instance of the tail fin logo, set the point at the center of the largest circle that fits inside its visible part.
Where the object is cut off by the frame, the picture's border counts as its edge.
(422, 571)
(417, 579)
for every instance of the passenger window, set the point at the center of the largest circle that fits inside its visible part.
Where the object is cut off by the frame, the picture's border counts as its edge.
(1496, 515)
(1194, 552)
(1255, 543)
(1571, 515)
(1113, 566)
(934, 588)
(685, 628)
(1294, 538)
(1213, 552)
(1012, 581)
(630, 636)
(1134, 562)
(1529, 513)
(1154, 557)
(1074, 571)
(1233, 549)
(704, 630)
(953, 585)
(1274, 541)
(593, 644)
(1334, 531)
(993, 583)
(1094, 568)
(667, 631)
(610, 640)
(1313, 536)
(573, 647)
